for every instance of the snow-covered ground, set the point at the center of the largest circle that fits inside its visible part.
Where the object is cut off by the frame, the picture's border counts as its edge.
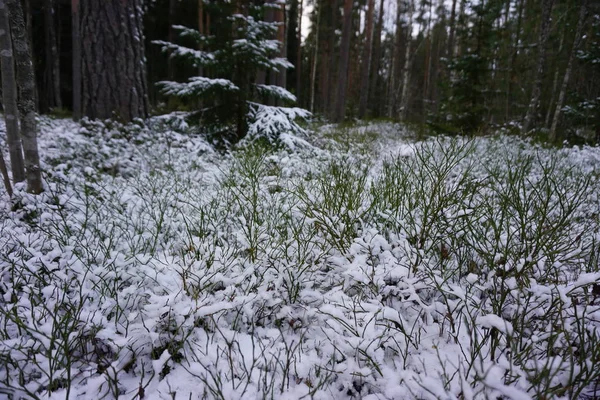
(356, 263)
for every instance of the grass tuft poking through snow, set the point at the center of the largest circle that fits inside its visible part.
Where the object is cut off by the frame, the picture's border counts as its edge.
(359, 264)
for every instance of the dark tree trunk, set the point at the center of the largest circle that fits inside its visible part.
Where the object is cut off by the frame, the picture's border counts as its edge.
(113, 62)
(539, 72)
(376, 58)
(52, 56)
(366, 61)
(26, 97)
(76, 43)
(299, 53)
(280, 19)
(563, 89)
(5, 176)
(340, 101)
(9, 97)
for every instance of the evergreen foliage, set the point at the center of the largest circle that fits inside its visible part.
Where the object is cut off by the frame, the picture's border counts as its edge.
(240, 45)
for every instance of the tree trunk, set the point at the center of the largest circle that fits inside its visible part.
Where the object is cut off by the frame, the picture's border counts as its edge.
(513, 62)
(406, 75)
(565, 83)
(366, 61)
(76, 43)
(299, 53)
(392, 90)
(539, 72)
(52, 56)
(9, 95)
(376, 58)
(113, 61)
(452, 34)
(280, 18)
(555, 80)
(26, 98)
(313, 74)
(340, 101)
(5, 176)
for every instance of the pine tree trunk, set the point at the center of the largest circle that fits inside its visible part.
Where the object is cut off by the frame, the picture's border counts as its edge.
(376, 58)
(76, 44)
(26, 98)
(406, 75)
(280, 18)
(9, 97)
(113, 61)
(313, 74)
(539, 72)
(52, 57)
(452, 34)
(366, 61)
(512, 76)
(5, 176)
(565, 83)
(555, 80)
(340, 101)
(299, 53)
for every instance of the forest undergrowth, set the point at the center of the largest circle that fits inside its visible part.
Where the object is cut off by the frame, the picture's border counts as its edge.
(354, 263)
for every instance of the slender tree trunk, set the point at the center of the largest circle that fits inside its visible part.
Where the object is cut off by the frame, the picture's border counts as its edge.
(555, 80)
(366, 61)
(29, 22)
(26, 98)
(52, 55)
(392, 91)
(113, 59)
(313, 84)
(539, 72)
(76, 44)
(427, 64)
(299, 53)
(9, 94)
(451, 35)
(513, 62)
(5, 176)
(340, 101)
(565, 83)
(376, 58)
(280, 19)
(406, 75)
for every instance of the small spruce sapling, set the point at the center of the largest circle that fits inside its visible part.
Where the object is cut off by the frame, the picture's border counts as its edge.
(239, 46)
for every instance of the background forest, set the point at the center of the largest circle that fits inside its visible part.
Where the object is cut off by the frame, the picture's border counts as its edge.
(457, 66)
(174, 229)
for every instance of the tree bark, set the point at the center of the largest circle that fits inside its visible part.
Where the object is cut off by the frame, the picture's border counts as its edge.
(512, 76)
(539, 72)
(5, 176)
(76, 44)
(366, 61)
(26, 97)
(563, 90)
(52, 56)
(113, 61)
(280, 19)
(450, 48)
(313, 74)
(376, 57)
(340, 101)
(406, 75)
(9, 95)
(299, 52)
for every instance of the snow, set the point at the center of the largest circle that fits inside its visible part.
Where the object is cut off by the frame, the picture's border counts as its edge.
(164, 267)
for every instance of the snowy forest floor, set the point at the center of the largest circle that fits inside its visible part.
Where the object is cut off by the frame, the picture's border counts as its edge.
(355, 263)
